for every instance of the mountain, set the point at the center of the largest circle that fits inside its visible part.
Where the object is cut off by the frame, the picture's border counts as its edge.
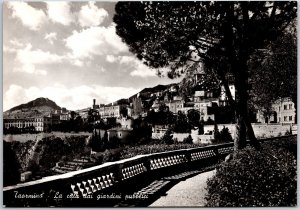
(146, 92)
(37, 107)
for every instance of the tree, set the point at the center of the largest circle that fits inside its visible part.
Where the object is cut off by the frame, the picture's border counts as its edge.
(167, 138)
(181, 124)
(188, 140)
(275, 68)
(193, 117)
(11, 166)
(223, 35)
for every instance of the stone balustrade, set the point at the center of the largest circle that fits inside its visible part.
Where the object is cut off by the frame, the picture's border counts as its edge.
(110, 177)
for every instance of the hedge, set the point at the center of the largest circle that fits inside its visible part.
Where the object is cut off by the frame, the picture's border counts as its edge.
(255, 179)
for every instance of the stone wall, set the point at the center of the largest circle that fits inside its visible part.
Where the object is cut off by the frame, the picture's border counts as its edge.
(197, 139)
(261, 130)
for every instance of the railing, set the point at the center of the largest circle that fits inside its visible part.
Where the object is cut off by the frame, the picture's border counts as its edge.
(68, 189)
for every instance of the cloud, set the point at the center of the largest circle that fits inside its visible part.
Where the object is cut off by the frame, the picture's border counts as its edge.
(16, 43)
(28, 59)
(38, 56)
(50, 37)
(128, 60)
(95, 41)
(29, 16)
(8, 49)
(142, 71)
(72, 98)
(111, 58)
(59, 12)
(132, 64)
(91, 15)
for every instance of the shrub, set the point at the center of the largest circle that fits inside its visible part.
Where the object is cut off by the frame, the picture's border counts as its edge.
(11, 165)
(255, 178)
(188, 140)
(225, 135)
(288, 132)
(222, 136)
(167, 138)
(128, 152)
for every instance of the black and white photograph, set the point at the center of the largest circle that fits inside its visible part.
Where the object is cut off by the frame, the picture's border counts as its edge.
(149, 104)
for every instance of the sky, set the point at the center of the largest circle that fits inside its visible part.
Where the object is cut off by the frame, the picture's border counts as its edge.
(70, 53)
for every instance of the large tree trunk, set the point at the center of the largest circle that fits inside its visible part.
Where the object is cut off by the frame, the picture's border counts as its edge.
(240, 137)
(243, 125)
(250, 132)
(241, 113)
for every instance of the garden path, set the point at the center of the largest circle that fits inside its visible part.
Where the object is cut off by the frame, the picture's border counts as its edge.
(188, 193)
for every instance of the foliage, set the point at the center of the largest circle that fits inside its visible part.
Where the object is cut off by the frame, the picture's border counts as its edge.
(206, 82)
(129, 152)
(11, 165)
(167, 138)
(141, 131)
(222, 34)
(162, 117)
(188, 140)
(289, 143)
(222, 136)
(96, 143)
(257, 178)
(41, 155)
(193, 117)
(288, 132)
(108, 155)
(181, 124)
(209, 121)
(200, 129)
(275, 67)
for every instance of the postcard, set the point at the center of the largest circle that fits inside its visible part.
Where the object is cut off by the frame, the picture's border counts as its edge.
(149, 104)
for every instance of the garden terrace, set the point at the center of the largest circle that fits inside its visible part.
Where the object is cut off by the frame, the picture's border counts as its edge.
(120, 178)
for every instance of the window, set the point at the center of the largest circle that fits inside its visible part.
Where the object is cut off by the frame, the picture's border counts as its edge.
(285, 107)
(285, 118)
(290, 106)
(290, 118)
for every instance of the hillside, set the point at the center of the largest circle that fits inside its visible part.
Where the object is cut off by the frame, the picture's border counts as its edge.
(146, 92)
(37, 107)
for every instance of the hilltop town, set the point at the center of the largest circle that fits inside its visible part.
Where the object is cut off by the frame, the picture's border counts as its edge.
(210, 104)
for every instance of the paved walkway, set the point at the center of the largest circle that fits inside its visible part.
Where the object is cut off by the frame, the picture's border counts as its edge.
(188, 193)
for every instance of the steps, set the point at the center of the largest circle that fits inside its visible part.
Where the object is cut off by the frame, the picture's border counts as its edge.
(74, 165)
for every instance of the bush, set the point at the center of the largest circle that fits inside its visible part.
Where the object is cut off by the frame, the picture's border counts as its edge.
(255, 178)
(288, 132)
(223, 136)
(128, 152)
(188, 140)
(167, 138)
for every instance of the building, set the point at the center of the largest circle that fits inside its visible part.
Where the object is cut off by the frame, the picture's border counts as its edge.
(121, 134)
(156, 104)
(95, 106)
(41, 124)
(64, 117)
(175, 105)
(223, 99)
(112, 110)
(283, 111)
(125, 122)
(83, 113)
